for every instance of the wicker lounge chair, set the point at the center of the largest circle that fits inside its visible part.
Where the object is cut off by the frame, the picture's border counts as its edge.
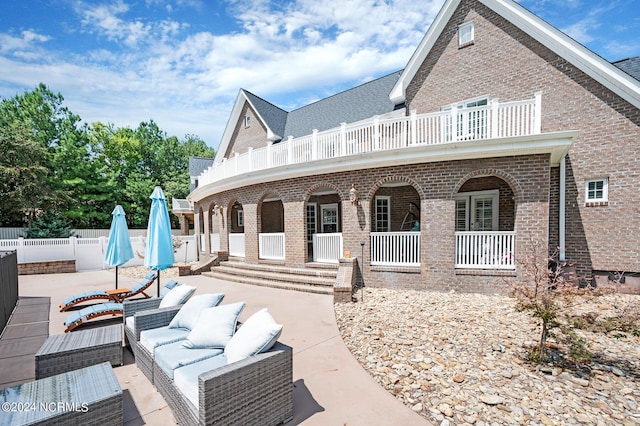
(83, 315)
(139, 288)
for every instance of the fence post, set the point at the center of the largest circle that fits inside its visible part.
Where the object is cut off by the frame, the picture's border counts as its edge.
(413, 122)
(269, 145)
(376, 132)
(73, 242)
(494, 118)
(537, 119)
(343, 138)
(250, 157)
(289, 152)
(20, 250)
(103, 248)
(314, 145)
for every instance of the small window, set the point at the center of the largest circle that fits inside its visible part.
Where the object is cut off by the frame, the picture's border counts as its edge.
(241, 218)
(247, 121)
(596, 191)
(465, 34)
(383, 214)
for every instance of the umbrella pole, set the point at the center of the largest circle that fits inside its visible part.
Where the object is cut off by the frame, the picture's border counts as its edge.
(116, 277)
(158, 283)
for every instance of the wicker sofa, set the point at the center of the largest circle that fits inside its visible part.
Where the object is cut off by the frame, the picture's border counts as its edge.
(204, 387)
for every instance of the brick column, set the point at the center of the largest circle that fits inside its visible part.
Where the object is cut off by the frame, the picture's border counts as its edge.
(251, 253)
(294, 228)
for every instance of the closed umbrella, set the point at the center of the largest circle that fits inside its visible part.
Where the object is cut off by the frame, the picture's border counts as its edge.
(159, 252)
(119, 250)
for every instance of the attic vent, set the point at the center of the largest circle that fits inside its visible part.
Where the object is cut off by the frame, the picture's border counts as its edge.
(465, 34)
(247, 121)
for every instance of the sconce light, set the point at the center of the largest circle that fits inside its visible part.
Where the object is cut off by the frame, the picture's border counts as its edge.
(353, 194)
(216, 209)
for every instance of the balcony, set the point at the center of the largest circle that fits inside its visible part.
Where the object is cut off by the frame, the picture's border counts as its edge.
(458, 125)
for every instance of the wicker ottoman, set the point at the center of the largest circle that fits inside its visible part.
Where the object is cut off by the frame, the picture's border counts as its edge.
(87, 396)
(70, 351)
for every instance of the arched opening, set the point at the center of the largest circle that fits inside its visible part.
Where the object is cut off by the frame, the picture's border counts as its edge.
(395, 225)
(236, 229)
(485, 215)
(323, 226)
(271, 241)
(201, 232)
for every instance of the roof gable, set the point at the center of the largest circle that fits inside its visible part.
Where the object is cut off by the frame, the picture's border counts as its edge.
(271, 117)
(593, 65)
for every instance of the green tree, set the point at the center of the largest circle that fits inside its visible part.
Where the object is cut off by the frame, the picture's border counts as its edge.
(21, 172)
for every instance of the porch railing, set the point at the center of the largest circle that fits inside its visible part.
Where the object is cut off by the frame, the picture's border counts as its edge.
(496, 120)
(203, 242)
(327, 248)
(236, 245)
(215, 242)
(395, 248)
(485, 250)
(271, 246)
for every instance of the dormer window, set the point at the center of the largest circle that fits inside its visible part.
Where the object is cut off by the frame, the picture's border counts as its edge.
(465, 34)
(247, 121)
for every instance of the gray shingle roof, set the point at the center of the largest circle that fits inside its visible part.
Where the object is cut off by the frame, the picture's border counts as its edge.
(198, 164)
(274, 117)
(352, 105)
(630, 65)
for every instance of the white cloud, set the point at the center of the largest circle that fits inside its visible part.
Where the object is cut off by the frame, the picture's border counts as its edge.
(187, 81)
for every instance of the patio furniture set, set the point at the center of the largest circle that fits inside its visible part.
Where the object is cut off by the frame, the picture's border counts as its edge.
(209, 368)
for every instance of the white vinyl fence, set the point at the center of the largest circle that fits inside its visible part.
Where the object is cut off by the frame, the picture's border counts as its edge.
(88, 252)
(15, 233)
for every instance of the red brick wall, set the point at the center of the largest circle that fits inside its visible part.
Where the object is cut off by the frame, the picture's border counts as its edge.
(254, 136)
(506, 63)
(436, 184)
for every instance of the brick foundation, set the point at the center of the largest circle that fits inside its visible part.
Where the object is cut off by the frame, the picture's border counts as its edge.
(49, 267)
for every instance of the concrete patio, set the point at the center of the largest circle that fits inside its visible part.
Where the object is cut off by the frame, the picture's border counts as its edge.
(330, 386)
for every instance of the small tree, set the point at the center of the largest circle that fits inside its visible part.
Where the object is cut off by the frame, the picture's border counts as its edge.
(49, 226)
(549, 297)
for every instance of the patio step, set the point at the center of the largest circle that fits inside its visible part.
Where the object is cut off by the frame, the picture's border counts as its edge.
(310, 280)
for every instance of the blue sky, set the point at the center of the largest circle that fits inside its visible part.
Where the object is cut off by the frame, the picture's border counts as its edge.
(182, 62)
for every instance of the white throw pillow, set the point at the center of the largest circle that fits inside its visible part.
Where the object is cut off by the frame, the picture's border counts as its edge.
(187, 316)
(257, 334)
(177, 296)
(214, 327)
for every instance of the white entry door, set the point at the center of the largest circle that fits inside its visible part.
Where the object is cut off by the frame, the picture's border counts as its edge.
(477, 211)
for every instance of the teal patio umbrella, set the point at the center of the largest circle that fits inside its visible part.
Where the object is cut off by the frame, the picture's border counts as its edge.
(159, 252)
(119, 250)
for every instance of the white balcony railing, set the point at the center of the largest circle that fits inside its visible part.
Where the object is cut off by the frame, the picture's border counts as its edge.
(327, 248)
(236, 245)
(496, 120)
(395, 248)
(485, 250)
(271, 246)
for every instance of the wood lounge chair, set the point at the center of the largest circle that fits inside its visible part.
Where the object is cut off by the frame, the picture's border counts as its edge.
(88, 313)
(113, 296)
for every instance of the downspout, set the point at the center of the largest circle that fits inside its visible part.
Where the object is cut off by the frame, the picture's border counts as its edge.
(561, 197)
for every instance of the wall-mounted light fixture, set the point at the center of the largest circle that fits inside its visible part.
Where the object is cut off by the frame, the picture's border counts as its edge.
(216, 209)
(353, 195)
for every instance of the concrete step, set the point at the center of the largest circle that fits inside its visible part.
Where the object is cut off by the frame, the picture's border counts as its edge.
(314, 280)
(215, 273)
(329, 271)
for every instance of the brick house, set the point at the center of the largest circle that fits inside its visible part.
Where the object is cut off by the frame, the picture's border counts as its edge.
(501, 131)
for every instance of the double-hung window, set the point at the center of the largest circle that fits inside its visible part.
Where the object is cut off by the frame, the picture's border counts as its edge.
(383, 214)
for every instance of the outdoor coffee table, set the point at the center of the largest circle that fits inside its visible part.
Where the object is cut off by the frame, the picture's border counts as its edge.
(90, 395)
(65, 352)
(117, 293)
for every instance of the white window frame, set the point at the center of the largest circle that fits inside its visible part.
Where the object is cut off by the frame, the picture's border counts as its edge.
(375, 206)
(247, 121)
(470, 196)
(605, 190)
(466, 34)
(323, 207)
(240, 218)
(315, 221)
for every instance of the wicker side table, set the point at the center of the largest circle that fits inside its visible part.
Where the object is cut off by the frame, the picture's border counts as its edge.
(87, 396)
(66, 352)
